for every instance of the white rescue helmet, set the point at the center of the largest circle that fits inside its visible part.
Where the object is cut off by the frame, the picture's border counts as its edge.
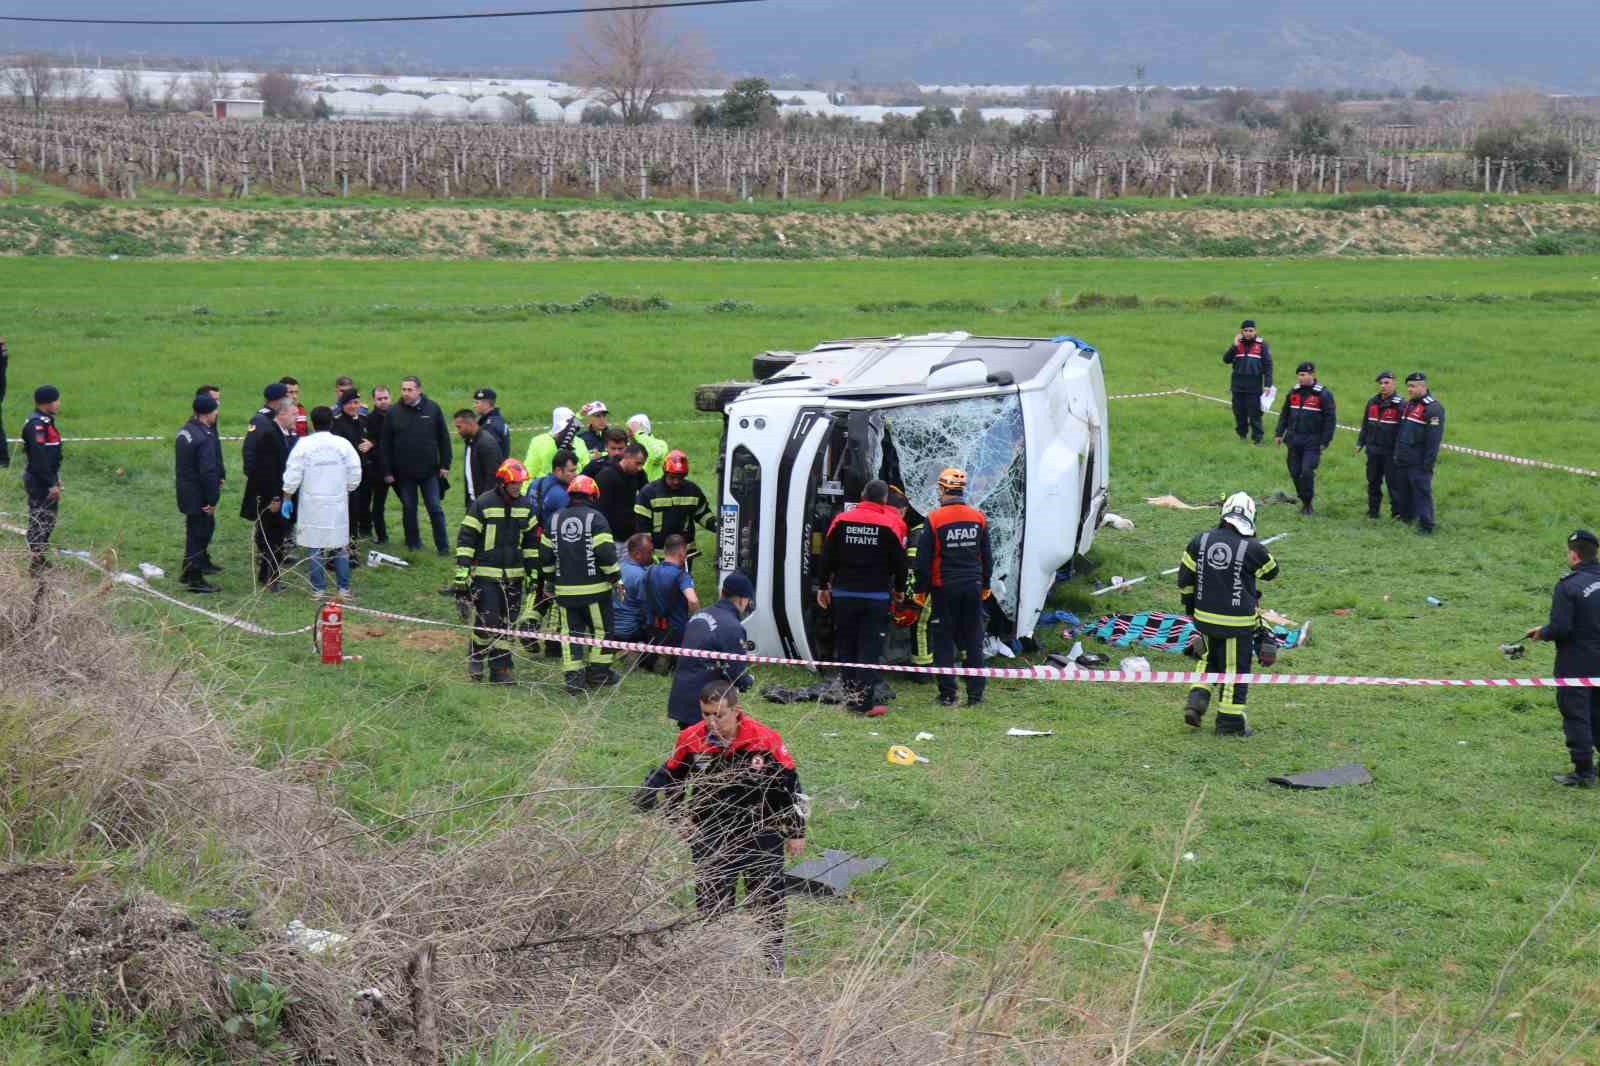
(1239, 511)
(559, 419)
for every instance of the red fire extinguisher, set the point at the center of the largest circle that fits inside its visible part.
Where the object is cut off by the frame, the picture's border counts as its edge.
(328, 633)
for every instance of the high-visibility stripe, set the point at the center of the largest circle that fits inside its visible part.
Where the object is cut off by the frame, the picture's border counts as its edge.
(1188, 560)
(465, 551)
(490, 535)
(583, 590)
(499, 572)
(641, 510)
(601, 538)
(597, 620)
(662, 503)
(1270, 566)
(472, 522)
(613, 569)
(1233, 621)
(494, 512)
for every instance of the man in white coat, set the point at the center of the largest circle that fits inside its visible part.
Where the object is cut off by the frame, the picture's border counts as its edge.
(324, 469)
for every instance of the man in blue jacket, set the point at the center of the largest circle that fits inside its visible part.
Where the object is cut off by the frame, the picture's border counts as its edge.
(716, 629)
(198, 466)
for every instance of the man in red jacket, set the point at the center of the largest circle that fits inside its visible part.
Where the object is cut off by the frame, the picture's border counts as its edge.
(860, 575)
(745, 812)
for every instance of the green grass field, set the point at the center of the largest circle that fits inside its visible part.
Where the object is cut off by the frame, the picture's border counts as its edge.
(1417, 889)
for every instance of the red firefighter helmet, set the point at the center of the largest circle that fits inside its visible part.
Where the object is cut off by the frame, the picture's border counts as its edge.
(583, 485)
(511, 472)
(676, 462)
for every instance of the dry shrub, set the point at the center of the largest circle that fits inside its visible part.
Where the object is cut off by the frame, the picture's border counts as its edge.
(559, 917)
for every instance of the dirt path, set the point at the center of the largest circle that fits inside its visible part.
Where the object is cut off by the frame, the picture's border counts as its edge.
(500, 233)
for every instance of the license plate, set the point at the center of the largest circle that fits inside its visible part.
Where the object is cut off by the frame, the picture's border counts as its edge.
(728, 539)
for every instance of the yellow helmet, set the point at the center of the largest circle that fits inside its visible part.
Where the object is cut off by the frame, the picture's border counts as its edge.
(953, 479)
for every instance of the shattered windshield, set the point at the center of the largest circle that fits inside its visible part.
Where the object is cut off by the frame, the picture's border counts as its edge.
(982, 436)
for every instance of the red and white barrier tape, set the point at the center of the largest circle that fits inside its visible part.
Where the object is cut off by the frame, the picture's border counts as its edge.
(1461, 449)
(1145, 395)
(1028, 673)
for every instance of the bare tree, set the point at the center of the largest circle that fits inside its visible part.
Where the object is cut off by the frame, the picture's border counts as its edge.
(128, 83)
(632, 61)
(33, 80)
(74, 82)
(204, 87)
(283, 94)
(171, 92)
(1080, 120)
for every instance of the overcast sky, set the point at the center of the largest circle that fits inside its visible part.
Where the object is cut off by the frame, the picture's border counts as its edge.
(1544, 43)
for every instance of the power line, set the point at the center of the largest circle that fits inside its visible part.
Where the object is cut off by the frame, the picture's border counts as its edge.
(652, 6)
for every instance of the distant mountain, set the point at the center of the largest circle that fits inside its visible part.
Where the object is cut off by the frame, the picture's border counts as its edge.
(1365, 43)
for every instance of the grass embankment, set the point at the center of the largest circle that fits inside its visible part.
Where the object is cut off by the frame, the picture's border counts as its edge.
(48, 220)
(1424, 883)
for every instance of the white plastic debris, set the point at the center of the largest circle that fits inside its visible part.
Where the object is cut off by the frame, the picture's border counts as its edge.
(1134, 664)
(924, 736)
(1015, 732)
(76, 553)
(151, 571)
(315, 941)
(378, 558)
(1188, 856)
(1077, 650)
(126, 578)
(1116, 521)
(994, 647)
(830, 734)
(1267, 397)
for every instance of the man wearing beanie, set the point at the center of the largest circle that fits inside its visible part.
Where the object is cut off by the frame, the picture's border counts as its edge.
(41, 479)
(199, 484)
(1251, 360)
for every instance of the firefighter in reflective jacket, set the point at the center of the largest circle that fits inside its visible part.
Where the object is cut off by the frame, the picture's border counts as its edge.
(673, 504)
(1306, 425)
(497, 554)
(746, 809)
(578, 557)
(861, 571)
(1217, 576)
(1379, 429)
(955, 564)
(1416, 449)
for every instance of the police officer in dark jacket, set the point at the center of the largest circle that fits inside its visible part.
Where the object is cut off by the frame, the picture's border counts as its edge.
(1251, 360)
(41, 478)
(745, 811)
(859, 576)
(416, 455)
(1217, 576)
(1306, 424)
(955, 564)
(1379, 429)
(578, 559)
(1416, 450)
(716, 629)
(490, 418)
(198, 474)
(1575, 627)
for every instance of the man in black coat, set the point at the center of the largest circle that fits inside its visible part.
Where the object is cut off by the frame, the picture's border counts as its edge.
(483, 455)
(417, 455)
(199, 483)
(620, 483)
(351, 424)
(378, 488)
(266, 450)
(717, 628)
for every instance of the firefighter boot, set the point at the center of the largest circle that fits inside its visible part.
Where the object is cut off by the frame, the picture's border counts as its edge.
(574, 683)
(602, 677)
(1233, 725)
(1194, 708)
(474, 667)
(500, 674)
